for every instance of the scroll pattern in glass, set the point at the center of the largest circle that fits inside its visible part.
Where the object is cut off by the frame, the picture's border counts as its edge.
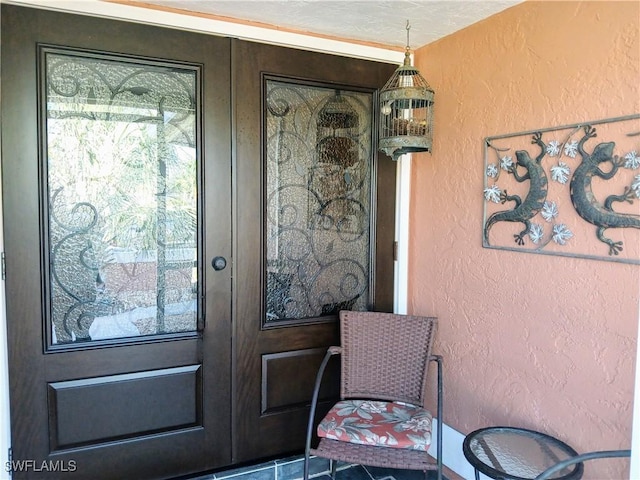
(318, 200)
(121, 170)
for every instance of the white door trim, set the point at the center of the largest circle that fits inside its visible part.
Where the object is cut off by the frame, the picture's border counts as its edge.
(401, 264)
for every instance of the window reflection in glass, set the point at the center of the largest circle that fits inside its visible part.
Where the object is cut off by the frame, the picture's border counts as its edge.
(121, 171)
(318, 191)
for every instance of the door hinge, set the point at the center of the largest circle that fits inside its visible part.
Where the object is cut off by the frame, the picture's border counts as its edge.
(395, 251)
(4, 267)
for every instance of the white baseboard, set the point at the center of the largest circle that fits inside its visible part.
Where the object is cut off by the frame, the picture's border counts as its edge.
(452, 456)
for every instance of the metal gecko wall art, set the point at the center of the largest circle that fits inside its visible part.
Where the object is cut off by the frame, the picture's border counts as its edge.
(575, 192)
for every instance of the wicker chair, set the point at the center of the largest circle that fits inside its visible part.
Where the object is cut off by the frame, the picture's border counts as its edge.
(384, 363)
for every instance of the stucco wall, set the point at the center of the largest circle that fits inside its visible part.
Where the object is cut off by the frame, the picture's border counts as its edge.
(543, 342)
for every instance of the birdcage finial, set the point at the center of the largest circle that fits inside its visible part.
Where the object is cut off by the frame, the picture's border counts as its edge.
(407, 52)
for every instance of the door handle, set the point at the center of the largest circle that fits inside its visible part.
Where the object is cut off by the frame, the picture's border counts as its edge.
(219, 263)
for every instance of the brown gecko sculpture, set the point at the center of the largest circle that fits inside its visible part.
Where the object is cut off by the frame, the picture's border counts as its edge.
(528, 208)
(584, 201)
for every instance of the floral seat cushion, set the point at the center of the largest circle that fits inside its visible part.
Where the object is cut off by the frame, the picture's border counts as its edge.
(367, 422)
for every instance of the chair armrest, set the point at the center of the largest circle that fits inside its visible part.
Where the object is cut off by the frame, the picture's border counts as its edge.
(335, 350)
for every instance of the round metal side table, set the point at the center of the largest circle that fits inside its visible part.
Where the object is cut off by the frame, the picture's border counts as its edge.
(508, 453)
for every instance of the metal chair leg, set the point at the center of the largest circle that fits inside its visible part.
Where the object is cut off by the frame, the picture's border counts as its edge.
(438, 360)
(314, 403)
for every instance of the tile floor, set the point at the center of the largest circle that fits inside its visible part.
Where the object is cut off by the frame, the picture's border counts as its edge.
(292, 468)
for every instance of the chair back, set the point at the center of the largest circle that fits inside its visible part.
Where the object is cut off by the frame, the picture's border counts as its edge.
(385, 356)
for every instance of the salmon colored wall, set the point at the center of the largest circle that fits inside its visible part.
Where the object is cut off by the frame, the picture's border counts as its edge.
(542, 342)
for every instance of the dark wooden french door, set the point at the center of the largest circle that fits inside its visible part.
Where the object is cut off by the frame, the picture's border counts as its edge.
(321, 238)
(116, 195)
(163, 316)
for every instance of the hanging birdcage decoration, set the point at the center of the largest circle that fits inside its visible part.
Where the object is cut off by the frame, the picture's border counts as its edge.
(337, 129)
(406, 111)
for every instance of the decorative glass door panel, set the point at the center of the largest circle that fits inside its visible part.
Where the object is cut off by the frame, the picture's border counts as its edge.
(121, 161)
(318, 200)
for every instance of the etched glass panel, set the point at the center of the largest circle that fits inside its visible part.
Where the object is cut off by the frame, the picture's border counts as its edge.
(121, 171)
(318, 200)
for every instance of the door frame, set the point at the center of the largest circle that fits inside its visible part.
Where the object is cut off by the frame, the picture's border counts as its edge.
(204, 25)
(166, 17)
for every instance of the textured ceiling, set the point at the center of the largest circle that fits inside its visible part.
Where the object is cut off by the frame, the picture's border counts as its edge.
(378, 22)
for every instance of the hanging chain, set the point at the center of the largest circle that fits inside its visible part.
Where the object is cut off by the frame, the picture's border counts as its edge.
(408, 28)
